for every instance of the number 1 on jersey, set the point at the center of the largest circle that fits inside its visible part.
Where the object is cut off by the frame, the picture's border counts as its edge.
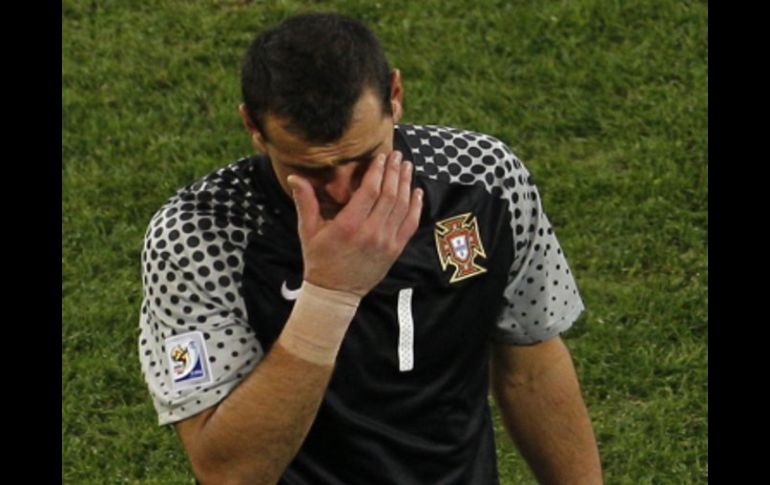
(405, 331)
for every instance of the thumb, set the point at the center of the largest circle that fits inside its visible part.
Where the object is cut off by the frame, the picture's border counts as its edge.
(308, 212)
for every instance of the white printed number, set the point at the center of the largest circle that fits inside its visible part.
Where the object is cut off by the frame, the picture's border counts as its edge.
(405, 331)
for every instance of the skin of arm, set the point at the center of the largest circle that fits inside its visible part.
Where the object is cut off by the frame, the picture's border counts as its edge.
(542, 409)
(255, 432)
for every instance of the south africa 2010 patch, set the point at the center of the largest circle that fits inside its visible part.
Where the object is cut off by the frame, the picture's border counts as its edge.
(458, 243)
(188, 360)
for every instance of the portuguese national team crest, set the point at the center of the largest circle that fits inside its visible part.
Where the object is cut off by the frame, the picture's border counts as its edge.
(458, 243)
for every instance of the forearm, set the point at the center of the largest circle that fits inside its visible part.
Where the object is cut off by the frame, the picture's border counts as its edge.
(547, 419)
(255, 432)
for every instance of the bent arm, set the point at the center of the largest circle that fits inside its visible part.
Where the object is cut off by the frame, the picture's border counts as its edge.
(255, 432)
(542, 409)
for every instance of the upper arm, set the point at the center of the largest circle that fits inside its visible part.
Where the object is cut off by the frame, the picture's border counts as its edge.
(195, 344)
(188, 429)
(518, 364)
(541, 299)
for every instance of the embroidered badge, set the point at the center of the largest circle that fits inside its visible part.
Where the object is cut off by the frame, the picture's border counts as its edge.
(458, 243)
(188, 360)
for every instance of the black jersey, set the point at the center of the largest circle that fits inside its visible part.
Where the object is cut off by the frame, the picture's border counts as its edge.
(407, 401)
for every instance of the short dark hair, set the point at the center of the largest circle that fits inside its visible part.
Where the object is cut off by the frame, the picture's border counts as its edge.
(312, 69)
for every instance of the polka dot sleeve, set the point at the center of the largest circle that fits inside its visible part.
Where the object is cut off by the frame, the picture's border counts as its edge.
(541, 299)
(195, 344)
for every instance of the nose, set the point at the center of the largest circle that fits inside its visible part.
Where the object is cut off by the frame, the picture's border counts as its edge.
(342, 183)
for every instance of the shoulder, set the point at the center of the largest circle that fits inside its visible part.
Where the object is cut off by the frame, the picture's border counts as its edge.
(221, 191)
(445, 138)
(220, 205)
(465, 157)
(199, 235)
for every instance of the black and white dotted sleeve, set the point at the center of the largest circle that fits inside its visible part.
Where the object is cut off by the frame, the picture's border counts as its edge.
(541, 299)
(195, 343)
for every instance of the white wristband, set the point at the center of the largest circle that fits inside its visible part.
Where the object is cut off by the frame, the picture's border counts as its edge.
(318, 323)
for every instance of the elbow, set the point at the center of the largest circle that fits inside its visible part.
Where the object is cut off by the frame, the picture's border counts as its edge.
(219, 476)
(217, 460)
(210, 471)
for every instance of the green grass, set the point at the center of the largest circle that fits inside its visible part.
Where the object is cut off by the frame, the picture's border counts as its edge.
(605, 101)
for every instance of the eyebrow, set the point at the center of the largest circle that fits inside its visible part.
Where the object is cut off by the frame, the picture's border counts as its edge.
(363, 156)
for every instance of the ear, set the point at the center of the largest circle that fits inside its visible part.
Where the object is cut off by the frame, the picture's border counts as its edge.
(396, 95)
(256, 136)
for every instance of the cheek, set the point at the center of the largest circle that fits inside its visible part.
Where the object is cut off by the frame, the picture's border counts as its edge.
(282, 174)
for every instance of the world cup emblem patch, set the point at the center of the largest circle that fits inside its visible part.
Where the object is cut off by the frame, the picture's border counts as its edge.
(187, 360)
(459, 244)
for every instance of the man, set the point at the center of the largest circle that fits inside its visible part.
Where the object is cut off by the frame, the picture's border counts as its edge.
(326, 312)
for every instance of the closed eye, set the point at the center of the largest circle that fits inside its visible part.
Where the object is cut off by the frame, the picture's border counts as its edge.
(312, 171)
(363, 158)
(325, 170)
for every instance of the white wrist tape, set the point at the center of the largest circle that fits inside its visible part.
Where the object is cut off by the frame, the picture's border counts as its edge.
(318, 323)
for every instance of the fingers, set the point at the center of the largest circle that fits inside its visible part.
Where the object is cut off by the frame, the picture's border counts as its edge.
(401, 205)
(308, 212)
(390, 191)
(364, 198)
(354, 250)
(385, 208)
(412, 219)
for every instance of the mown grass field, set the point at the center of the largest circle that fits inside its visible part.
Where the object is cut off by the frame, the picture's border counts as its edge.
(605, 101)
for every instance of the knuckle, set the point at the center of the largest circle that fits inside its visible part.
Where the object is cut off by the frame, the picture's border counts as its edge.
(393, 248)
(408, 229)
(388, 196)
(398, 214)
(406, 174)
(371, 191)
(367, 238)
(376, 241)
(347, 229)
(382, 244)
